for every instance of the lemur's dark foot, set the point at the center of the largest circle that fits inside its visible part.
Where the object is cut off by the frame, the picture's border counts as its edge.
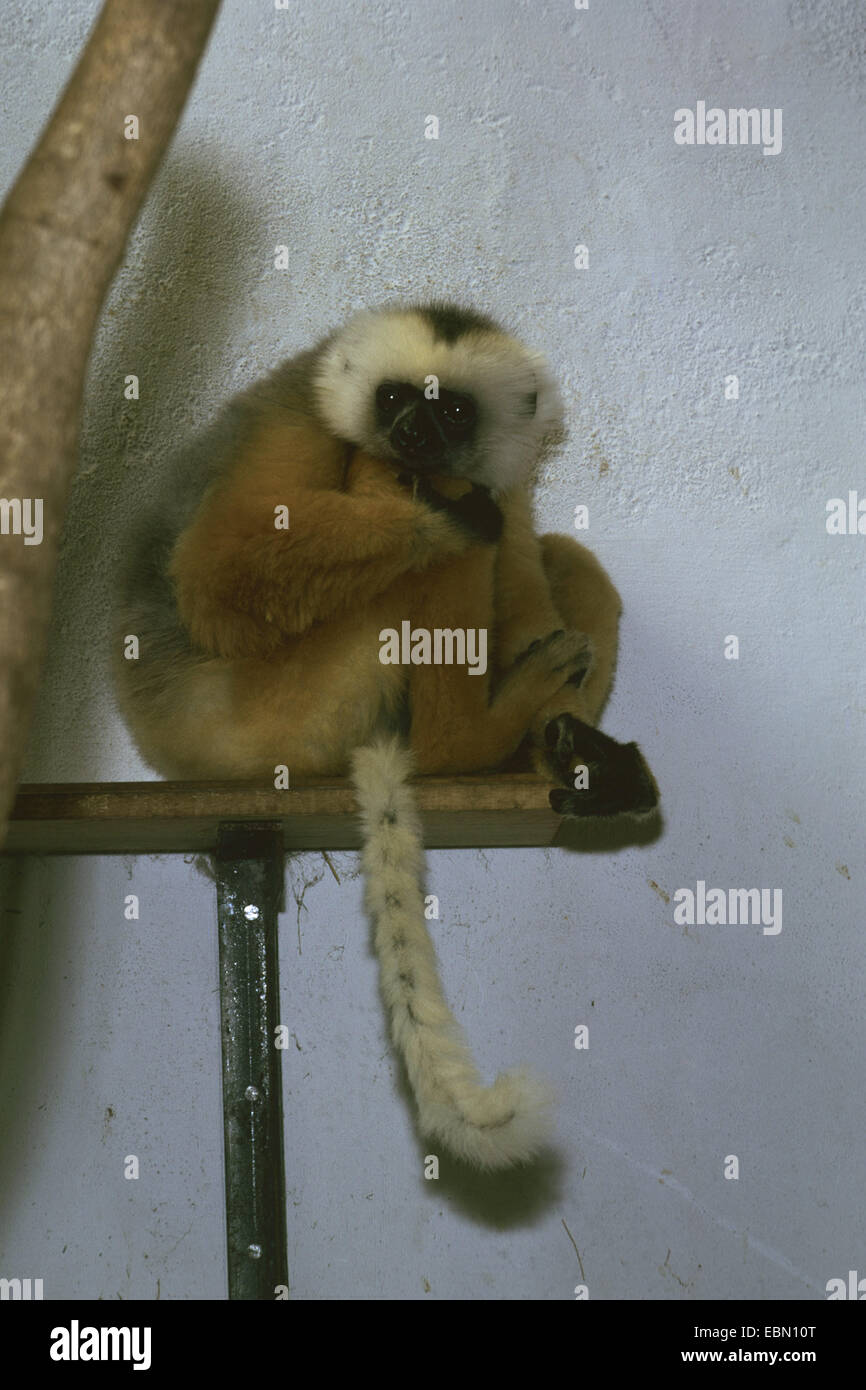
(618, 777)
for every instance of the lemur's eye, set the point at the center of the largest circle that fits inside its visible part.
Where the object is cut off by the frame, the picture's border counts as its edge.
(392, 396)
(457, 414)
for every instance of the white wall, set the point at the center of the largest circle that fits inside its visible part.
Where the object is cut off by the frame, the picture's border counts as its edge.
(306, 127)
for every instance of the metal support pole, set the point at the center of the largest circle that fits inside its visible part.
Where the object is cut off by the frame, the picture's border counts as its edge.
(249, 866)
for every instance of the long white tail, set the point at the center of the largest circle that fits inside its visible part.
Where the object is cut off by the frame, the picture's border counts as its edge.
(494, 1126)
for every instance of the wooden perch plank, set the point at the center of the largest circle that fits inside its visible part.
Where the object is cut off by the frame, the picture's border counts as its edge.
(183, 817)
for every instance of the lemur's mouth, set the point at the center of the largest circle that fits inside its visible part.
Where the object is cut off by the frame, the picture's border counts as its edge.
(422, 461)
(447, 485)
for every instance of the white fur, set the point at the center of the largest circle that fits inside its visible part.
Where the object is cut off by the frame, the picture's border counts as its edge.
(399, 345)
(490, 1127)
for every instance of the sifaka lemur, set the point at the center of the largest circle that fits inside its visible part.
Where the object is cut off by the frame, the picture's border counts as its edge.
(380, 479)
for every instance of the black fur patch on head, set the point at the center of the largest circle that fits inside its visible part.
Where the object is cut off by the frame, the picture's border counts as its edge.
(450, 322)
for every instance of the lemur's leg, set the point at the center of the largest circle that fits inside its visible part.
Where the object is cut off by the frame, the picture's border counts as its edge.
(462, 722)
(523, 606)
(562, 738)
(456, 727)
(584, 597)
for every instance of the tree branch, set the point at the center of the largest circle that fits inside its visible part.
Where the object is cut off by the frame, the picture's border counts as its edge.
(63, 230)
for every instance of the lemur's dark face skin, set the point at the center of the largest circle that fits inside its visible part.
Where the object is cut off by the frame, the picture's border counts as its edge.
(426, 435)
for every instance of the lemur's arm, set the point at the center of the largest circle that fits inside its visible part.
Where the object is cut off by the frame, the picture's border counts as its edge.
(243, 585)
(470, 506)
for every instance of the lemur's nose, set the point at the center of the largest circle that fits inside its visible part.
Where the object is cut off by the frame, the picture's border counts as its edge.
(414, 435)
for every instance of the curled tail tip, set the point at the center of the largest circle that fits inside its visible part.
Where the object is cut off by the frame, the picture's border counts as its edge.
(497, 1127)
(506, 1125)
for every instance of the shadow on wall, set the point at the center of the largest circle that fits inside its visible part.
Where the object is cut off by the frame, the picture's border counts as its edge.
(167, 320)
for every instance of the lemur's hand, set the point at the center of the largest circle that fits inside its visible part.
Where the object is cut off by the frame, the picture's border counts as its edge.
(367, 476)
(475, 512)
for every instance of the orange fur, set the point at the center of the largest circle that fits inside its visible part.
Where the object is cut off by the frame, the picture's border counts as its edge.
(243, 586)
(291, 612)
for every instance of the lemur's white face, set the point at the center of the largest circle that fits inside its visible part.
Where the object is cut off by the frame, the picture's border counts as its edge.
(467, 401)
